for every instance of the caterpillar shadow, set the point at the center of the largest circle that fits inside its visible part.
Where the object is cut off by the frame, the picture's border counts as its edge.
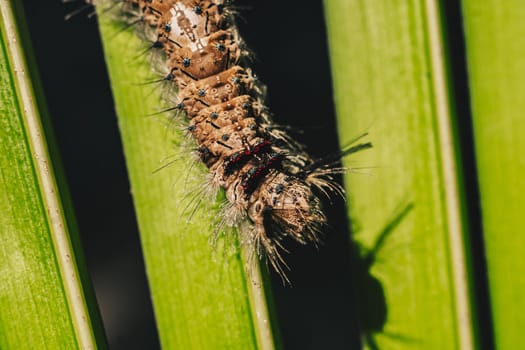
(372, 307)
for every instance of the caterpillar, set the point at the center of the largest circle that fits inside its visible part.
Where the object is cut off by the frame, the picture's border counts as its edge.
(273, 188)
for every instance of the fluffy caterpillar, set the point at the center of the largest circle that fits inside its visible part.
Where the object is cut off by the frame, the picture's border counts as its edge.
(272, 185)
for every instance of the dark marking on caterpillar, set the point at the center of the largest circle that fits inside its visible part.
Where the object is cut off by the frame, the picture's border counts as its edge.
(273, 186)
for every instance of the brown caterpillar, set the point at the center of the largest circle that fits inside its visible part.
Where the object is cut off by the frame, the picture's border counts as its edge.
(271, 183)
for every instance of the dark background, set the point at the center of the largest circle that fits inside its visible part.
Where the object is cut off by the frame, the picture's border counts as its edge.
(318, 311)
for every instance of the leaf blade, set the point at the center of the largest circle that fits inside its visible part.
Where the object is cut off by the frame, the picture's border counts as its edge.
(390, 77)
(43, 299)
(207, 300)
(494, 43)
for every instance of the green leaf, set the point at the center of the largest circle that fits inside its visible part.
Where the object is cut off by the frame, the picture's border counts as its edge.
(390, 78)
(495, 47)
(43, 285)
(202, 299)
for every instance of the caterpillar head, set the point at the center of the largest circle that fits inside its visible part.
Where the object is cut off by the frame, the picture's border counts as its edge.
(286, 208)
